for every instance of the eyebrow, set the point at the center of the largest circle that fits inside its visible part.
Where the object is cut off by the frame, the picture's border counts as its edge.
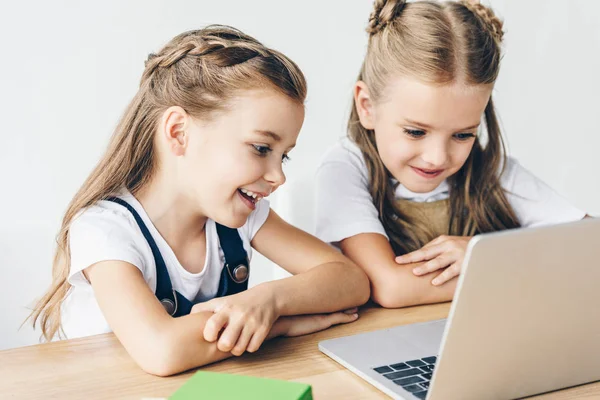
(423, 125)
(272, 135)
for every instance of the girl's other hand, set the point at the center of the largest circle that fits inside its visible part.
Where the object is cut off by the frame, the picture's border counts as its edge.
(241, 321)
(444, 252)
(299, 325)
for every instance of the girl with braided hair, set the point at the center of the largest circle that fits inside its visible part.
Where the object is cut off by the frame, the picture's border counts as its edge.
(418, 176)
(165, 224)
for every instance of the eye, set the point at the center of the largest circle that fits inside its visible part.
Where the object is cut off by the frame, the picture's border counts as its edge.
(414, 133)
(262, 151)
(464, 136)
(285, 159)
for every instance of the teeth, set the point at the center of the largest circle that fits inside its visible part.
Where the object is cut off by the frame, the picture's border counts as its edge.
(255, 196)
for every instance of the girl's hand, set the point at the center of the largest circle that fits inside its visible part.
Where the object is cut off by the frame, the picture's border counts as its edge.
(245, 320)
(299, 325)
(444, 252)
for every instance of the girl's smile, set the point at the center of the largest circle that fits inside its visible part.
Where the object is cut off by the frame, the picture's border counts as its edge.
(427, 173)
(250, 198)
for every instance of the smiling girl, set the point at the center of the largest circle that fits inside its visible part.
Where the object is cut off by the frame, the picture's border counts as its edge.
(156, 244)
(424, 167)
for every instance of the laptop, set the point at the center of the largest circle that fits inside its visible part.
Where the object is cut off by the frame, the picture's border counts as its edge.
(524, 321)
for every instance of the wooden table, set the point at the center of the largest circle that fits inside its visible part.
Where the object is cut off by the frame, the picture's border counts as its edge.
(98, 367)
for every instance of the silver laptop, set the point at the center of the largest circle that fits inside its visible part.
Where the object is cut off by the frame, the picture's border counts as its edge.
(524, 320)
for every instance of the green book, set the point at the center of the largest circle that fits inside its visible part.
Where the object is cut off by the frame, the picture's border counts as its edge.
(215, 386)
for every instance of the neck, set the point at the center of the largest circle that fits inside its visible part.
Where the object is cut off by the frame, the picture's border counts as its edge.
(175, 216)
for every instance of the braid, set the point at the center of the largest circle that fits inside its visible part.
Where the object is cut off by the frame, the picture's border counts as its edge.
(215, 46)
(384, 12)
(492, 23)
(167, 59)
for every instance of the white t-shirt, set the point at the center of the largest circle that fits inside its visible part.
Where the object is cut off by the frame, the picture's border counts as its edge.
(345, 208)
(108, 231)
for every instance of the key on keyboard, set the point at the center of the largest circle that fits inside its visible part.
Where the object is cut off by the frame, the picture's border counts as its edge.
(413, 375)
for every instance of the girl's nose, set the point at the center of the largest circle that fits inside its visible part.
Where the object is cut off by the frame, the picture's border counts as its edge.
(436, 155)
(275, 175)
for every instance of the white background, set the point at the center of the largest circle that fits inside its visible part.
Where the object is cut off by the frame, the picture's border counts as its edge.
(69, 68)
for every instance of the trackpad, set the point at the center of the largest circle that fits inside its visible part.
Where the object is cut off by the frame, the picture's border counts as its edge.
(388, 346)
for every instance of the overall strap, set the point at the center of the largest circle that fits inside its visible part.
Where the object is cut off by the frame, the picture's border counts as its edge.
(164, 289)
(234, 277)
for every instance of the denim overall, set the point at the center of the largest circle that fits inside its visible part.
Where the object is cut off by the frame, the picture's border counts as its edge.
(234, 277)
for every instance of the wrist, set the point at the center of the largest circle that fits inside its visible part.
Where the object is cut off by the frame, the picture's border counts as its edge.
(275, 297)
(281, 327)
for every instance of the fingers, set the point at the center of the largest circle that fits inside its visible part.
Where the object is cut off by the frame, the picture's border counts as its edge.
(230, 336)
(242, 342)
(205, 306)
(214, 325)
(423, 254)
(433, 265)
(257, 339)
(341, 318)
(427, 252)
(449, 273)
(438, 240)
(237, 323)
(214, 305)
(334, 319)
(353, 310)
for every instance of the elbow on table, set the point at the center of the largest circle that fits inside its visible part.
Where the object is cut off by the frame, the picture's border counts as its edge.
(159, 361)
(159, 370)
(165, 357)
(388, 294)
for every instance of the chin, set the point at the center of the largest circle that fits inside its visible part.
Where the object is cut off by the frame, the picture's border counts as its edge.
(232, 220)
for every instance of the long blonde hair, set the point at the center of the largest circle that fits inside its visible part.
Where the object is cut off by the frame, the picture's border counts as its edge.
(437, 43)
(199, 70)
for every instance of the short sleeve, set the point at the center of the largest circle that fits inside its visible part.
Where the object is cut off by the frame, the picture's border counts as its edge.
(344, 206)
(257, 218)
(534, 202)
(98, 235)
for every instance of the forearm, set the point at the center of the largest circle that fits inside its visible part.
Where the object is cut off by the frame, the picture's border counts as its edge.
(326, 288)
(395, 286)
(186, 348)
(159, 344)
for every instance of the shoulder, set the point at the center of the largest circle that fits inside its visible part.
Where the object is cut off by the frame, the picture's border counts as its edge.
(344, 205)
(510, 171)
(345, 151)
(535, 202)
(346, 155)
(104, 218)
(518, 180)
(101, 232)
(255, 221)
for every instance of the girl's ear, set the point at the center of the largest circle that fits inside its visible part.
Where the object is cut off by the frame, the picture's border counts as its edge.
(173, 129)
(364, 105)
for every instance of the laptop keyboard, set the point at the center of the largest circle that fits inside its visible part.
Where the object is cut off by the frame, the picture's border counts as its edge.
(413, 376)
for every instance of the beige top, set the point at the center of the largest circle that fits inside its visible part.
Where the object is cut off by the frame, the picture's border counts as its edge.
(433, 217)
(344, 206)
